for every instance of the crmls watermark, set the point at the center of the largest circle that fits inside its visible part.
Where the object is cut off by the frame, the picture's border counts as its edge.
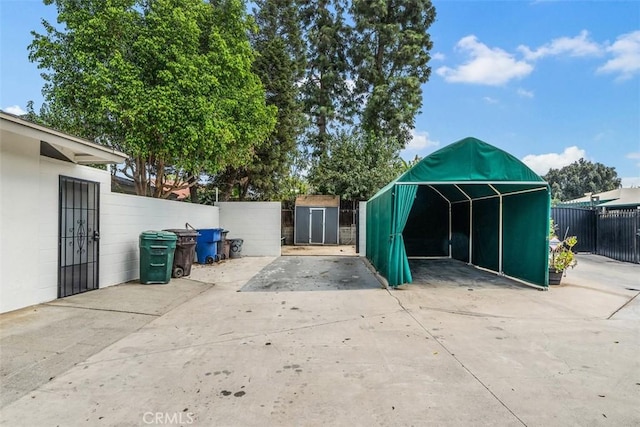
(168, 418)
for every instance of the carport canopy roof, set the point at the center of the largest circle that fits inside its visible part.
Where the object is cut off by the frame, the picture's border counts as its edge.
(470, 169)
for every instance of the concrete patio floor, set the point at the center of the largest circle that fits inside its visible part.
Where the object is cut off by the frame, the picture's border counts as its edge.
(198, 352)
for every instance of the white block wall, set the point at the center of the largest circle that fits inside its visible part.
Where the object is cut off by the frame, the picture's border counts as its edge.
(123, 217)
(29, 191)
(257, 223)
(363, 228)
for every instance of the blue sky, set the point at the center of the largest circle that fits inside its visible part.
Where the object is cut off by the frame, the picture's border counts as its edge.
(547, 81)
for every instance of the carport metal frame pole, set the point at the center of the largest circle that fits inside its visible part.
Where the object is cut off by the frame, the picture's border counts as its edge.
(470, 221)
(449, 202)
(499, 230)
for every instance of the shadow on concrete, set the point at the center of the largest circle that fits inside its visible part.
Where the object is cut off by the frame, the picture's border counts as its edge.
(317, 273)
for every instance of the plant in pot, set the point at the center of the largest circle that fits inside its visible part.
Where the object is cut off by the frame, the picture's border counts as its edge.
(561, 256)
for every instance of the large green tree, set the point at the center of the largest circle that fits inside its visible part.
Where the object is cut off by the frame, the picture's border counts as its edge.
(580, 177)
(327, 84)
(375, 63)
(390, 54)
(169, 82)
(280, 66)
(355, 166)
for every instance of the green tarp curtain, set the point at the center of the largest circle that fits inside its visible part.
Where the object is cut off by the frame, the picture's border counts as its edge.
(399, 271)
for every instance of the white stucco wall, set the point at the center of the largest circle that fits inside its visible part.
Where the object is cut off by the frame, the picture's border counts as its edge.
(257, 223)
(29, 191)
(20, 211)
(362, 245)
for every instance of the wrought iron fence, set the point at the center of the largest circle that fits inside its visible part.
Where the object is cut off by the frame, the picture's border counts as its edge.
(618, 235)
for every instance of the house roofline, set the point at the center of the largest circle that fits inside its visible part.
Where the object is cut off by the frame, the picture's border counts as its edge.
(75, 149)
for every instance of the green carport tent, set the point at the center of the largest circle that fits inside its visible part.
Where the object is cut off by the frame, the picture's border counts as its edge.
(468, 201)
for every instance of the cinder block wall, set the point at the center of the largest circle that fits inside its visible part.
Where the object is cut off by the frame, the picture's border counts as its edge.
(257, 223)
(124, 217)
(348, 235)
(363, 228)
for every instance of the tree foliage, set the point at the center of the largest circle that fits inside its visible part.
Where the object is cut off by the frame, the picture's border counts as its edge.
(168, 82)
(356, 166)
(580, 177)
(279, 64)
(367, 62)
(390, 55)
(326, 85)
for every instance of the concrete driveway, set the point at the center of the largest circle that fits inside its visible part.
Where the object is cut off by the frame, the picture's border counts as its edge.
(427, 355)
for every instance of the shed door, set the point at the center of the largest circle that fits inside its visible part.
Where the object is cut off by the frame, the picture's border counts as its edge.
(316, 226)
(78, 236)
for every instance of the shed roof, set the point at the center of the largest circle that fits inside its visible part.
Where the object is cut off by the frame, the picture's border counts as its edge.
(58, 144)
(320, 201)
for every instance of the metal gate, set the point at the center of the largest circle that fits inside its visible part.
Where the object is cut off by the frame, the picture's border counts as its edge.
(619, 235)
(614, 234)
(579, 222)
(79, 234)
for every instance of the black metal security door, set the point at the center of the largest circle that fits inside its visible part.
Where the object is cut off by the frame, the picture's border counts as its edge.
(79, 234)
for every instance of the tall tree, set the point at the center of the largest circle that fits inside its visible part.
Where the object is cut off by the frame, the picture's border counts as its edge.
(327, 84)
(169, 82)
(280, 65)
(390, 55)
(580, 177)
(356, 166)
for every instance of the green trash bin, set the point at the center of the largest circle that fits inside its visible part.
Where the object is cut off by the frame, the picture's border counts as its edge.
(156, 256)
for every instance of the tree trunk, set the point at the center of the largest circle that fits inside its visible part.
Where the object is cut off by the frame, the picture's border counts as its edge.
(193, 189)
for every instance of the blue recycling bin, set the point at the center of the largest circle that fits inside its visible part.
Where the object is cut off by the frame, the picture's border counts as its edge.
(207, 245)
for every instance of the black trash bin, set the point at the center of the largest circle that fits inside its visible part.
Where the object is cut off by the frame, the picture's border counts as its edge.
(185, 251)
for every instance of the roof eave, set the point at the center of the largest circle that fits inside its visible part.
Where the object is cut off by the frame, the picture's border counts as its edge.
(77, 150)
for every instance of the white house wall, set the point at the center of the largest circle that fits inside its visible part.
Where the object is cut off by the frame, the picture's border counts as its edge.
(257, 223)
(29, 191)
(20, 210)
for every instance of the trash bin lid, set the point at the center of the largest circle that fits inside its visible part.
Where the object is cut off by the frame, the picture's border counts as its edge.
(183, 232)
(158, 235)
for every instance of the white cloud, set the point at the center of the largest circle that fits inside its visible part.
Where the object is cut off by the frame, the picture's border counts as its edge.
(490, 100)
(541, 163)
(15, 109)
(525, 93)
(420, 141)
(634, 156)
(579, 45)
(631, 181)
(486, 66)
(438, 56)
(626, 56)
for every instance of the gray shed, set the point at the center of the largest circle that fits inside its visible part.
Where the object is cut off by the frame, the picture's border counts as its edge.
(317, 220)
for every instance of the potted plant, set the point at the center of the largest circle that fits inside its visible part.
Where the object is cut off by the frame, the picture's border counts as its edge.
(561, 256)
